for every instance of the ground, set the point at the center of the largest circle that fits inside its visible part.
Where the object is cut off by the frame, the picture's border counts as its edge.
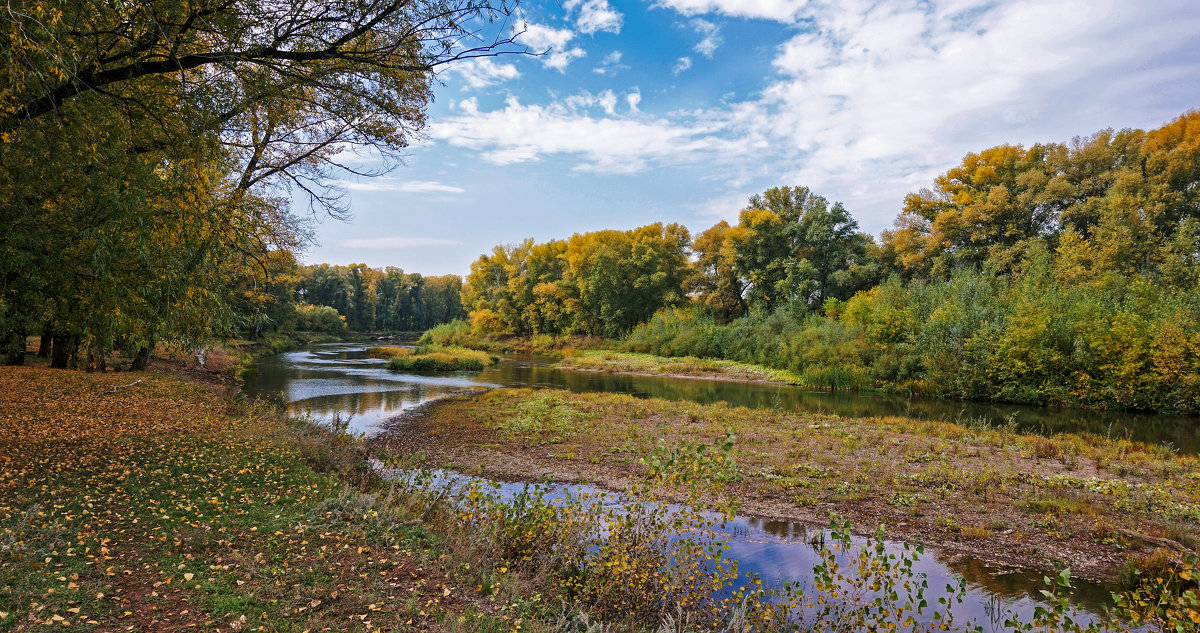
(1092, 504)
(166, 506)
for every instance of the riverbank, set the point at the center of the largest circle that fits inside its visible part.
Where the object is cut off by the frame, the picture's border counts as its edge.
(433, 358)
(459, 333)
(635, 364)
(149, 503)
(1101, 507)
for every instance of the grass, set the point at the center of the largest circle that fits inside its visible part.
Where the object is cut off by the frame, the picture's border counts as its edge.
(1086, 498)
(459, 333)
(166, 506)
(649, 364)
(433, 358)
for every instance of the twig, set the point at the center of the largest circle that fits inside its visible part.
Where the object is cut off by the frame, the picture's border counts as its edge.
(114, 389)
(1155, 540)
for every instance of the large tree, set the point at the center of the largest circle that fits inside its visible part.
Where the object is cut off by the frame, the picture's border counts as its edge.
(111, 112)
(790, 246)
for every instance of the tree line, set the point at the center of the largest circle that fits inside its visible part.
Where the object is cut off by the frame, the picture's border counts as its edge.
(1059, 273)
(150, 152)
(369, 299)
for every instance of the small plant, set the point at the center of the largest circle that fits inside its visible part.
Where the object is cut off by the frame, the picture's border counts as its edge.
(975, 532)
(545, 418)
(694, 460)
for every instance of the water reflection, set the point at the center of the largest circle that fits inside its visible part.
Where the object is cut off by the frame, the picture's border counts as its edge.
(339, 377)
(325, 381)
(781, 551)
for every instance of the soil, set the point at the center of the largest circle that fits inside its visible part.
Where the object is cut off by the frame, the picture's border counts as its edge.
(1093, 545)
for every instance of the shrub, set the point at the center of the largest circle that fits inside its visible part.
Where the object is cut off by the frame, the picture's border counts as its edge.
(324, 319)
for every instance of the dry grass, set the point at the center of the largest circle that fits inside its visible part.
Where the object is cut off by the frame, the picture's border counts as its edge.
(166, 506)
(649, 364)
(1064, 497)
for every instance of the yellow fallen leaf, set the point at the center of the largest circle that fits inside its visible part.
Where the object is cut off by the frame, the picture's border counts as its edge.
(188, 576)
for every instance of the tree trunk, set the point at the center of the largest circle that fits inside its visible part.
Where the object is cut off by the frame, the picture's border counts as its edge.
(46, 343)
(14, 348)
(141, 359)
(73, 346)
(60, 356)
(95, 360)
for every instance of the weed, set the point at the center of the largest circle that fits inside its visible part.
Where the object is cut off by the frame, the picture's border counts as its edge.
(544, 418)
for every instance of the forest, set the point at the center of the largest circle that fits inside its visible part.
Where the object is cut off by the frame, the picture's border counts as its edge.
(188, 168)
(1063, 273)
(162, 164)
(332, 299)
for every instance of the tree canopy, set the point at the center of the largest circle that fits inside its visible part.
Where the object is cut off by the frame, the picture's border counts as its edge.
(151, 150)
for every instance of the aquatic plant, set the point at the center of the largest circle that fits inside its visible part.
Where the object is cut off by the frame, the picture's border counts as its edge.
(641, 562)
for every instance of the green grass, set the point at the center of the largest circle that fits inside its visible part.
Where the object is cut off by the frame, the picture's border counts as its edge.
(165, 506)
(636, 363)
(459, 333)
(433, 358)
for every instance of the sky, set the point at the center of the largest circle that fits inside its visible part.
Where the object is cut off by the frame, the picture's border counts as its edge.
(679, 110)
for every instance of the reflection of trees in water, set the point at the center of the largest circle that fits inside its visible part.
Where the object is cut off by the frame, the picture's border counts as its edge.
(1015, 584)
(361, 403)
(983, 579)
(790, 530)
(1183, 432)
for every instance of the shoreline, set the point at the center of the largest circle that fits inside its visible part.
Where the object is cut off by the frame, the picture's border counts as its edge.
(711, 377)
(439, 434)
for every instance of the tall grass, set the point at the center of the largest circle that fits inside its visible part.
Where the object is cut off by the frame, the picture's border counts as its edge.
(433, 358)
(1122, 344)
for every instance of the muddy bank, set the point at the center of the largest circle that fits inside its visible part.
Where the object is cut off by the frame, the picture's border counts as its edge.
(943, 487)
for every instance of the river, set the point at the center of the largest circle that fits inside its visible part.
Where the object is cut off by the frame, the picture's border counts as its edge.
(324, 381)
(339, 378)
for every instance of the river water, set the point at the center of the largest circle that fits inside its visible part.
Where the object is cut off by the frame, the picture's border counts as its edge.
(324, 381)
(339, 378)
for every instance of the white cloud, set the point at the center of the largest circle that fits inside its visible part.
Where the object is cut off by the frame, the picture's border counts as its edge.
(595, 15)
(724, 207)
(399, 242)
(777, 10)
(553, 42)
(606, 100)
(521, 133)
(868, 101)
(482, 72)
(406, 186)
(681, 65)
(876, 99)
(711, 38)
(611, 64)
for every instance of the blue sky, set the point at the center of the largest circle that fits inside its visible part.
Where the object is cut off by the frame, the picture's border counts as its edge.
(679, 110)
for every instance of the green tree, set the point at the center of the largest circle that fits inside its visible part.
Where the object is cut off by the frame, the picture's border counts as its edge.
(232, 106)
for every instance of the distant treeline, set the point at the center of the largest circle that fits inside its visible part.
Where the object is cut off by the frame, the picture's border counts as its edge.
(1056, 273)
(370, 299)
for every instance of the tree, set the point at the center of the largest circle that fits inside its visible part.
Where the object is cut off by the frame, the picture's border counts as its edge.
(1124, 193)
(126, 103)
(789, 246)
(715, 280)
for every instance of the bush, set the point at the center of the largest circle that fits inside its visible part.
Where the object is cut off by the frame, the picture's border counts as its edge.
(433, 358)
(324, 319)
